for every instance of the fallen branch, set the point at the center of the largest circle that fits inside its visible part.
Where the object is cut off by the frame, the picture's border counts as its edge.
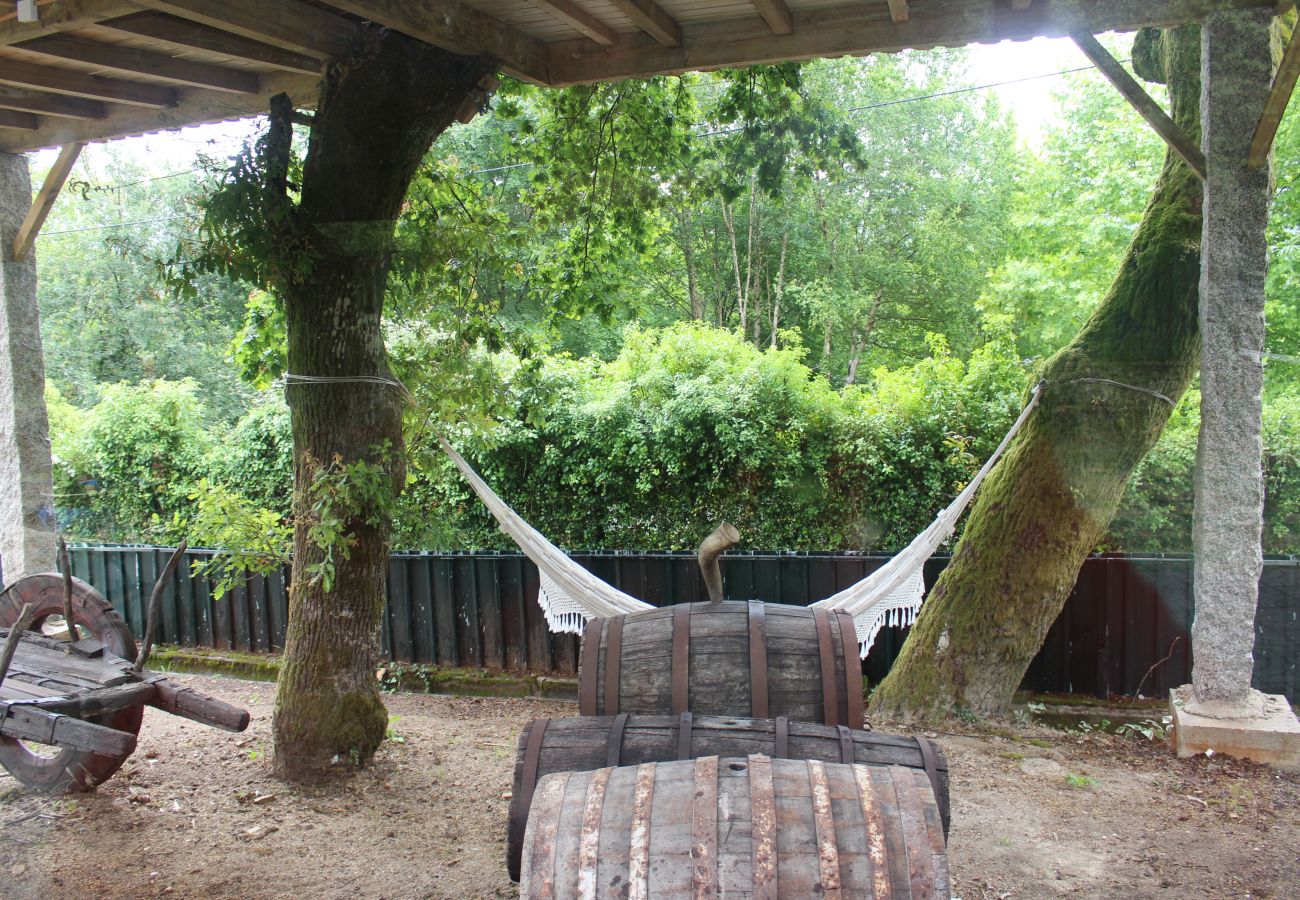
(67, 589)
(155, 604)
(1168, 656)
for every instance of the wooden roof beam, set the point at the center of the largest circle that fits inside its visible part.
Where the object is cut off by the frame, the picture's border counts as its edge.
(184, 33)
(898, 10)
(1140, 100)
(282, 23)
(45, 198)
(461, 29)
(1278, 99)
(130, 61)
(24, 121)
(776, 14)
(651, 18)
(63, 15)
(1021, 4)
(65, 81)
(575, 16)
(855, 29)
(51, 104)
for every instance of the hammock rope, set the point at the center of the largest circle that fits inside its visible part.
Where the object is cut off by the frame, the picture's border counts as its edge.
(570, 595)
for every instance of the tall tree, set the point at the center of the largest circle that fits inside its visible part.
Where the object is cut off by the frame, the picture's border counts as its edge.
(1107, 396)
(326, 257)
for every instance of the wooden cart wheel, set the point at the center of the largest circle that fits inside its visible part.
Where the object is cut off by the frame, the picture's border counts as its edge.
(68, 771)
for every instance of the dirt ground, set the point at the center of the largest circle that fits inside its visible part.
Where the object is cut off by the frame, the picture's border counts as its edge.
(196, 813)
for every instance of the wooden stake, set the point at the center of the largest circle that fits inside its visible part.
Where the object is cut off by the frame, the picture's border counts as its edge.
(67, 590)
(1278, 100)
(49, 192)
(1140, 100)
(15, 635)
(155, 604)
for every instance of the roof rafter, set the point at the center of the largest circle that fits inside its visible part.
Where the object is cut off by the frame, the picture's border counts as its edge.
(51, 104)
(65, 81)
(14, 119)
(898, 10)
(850, 30)
(1278, 99)
(776, 14)
(575, 16)
(184, 33)
(461, 29)
(283, 23)
(130, 61)
(651, 18)
(45, 198)
(63, 15)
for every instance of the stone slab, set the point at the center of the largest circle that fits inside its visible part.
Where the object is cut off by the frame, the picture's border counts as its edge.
(1264, 729)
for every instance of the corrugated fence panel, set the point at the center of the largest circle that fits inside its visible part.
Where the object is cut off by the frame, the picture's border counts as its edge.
(1125, 627)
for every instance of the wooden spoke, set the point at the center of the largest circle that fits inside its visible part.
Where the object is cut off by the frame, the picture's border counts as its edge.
(576, 17)
(460, 29)
(51, 104)
(184, 33)
(1278, 100)
(1133, 92)
(898, 10)
(776, 14)
(284, 23)
(45, 198)
(651, 18)
(65, 81)
(129, 61)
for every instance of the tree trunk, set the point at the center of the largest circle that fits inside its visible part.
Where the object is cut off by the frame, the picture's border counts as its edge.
(1046, 505)
(780, 290)
(379, 112)
(687, 233)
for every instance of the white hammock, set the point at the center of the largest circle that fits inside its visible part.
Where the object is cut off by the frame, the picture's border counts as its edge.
(891, 595)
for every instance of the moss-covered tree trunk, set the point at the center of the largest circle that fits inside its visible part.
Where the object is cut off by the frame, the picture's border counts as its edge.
(1048, 503)
(378, 114)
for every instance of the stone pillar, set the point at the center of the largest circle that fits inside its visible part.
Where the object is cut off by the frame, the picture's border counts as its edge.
(27, 525)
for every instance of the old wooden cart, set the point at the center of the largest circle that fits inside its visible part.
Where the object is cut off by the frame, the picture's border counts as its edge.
(70, 709)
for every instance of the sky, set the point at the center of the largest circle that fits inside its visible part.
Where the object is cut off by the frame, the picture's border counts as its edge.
(1030, 64)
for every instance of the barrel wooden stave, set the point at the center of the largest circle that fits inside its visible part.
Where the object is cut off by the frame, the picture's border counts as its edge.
(719, 663)
(701, 832)
(581, 743)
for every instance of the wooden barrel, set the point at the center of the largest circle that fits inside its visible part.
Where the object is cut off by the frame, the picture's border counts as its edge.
(729, 658)
(589, 742)
(735, 827)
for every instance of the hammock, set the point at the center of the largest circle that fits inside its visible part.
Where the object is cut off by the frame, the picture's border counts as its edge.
(570, 595)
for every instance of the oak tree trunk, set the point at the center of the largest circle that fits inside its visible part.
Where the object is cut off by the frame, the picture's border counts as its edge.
(1050, 500)
(379, 112)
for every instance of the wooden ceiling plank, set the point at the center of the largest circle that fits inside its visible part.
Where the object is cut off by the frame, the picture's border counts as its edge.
(461, 29)
(1140, 100)
(898, 10)
(283, 23)
(651, 18)
(576, 17)
(1021, 4)
(184, 33)
(45, 198)
(776, 14)
(130, 61)
(63, 15)
(1279, 98)
(51, 104)
(849, 29)
(25, 121)
(64, 81)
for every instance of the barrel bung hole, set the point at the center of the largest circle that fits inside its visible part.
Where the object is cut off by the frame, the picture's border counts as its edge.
(737, 767)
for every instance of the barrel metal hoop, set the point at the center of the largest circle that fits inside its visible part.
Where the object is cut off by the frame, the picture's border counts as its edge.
(614, 743)
(759, 708)
(613, 664)
(828, 853)
(681, 657)
(685, 729)
(762, 817)
(875, 832)
(704, 815)
(846, 744)
(931, 763)
(852, 666)
(589, 838)
(532, 757)
(638, 868)
(587, 699)
(781, 746)
(825, 650)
